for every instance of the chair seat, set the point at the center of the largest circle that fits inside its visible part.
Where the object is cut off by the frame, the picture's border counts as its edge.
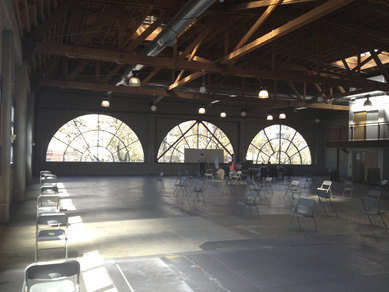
(53, 234)
(48, 209)
(57, 286)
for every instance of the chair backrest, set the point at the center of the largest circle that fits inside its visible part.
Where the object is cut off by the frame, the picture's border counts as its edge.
(326, 184)
(305, 206)
(44, 172)
(53, 274)
(49, 189)
(369, 203)
(268, 179)
(295, 183)
(348, 184)
(323, 194)
(52, 219)
(376, 194)
(48, 200)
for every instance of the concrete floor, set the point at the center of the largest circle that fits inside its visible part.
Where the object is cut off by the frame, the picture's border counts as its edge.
(135, 234)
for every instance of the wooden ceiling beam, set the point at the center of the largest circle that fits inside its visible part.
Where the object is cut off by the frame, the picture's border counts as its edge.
(377, 60)
(186, 95)
(310, 16)
(263, 3)
(269, 10)
(175, 63)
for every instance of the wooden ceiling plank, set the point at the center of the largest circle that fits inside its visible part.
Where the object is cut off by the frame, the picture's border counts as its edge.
(265, 15)
(161, 92)
(81, 66)
(263, 3)
(151, 75)
(175, 63)
(310, 16)
(57, 15)
(186, 80)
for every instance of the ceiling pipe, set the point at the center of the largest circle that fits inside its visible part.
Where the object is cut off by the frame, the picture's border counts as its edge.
(168, 36)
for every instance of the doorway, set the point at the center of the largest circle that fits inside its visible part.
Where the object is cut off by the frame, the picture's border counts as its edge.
(360, 126)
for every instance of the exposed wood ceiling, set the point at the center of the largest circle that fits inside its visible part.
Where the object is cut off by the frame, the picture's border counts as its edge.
(298, 49)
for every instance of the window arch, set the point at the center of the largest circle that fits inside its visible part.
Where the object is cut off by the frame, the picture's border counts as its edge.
(95, 138)
(279, 144)
(194, 135)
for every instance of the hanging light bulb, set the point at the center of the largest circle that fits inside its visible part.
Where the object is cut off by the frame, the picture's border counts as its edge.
(243, 113)
(316, 120)
(223, 114)
(202, 88)
(153, 108)
(269, 117)
(201, 110)
(134, 80)
(282, 116)
(105, 102)
(263, 93)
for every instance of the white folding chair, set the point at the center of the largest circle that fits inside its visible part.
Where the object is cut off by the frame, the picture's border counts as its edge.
(267, 185)
(293, 189)
(209, 174)
(375, 194)
(50, 227)
(370, 208)
(325, 201)
(160, 179)
(198, 189)
(326, 186)
(305, 208)
(348, 188)
(61, 276)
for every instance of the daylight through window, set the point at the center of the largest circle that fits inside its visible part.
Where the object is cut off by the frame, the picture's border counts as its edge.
(193, 135)
(279, 144)
(95, 138)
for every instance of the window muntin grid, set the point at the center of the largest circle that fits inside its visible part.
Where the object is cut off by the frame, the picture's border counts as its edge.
(279, 144)
(193, 135)
(95, 138)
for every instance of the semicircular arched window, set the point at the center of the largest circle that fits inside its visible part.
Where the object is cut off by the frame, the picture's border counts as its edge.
(193, 135)
(279, 144)
(95, 138)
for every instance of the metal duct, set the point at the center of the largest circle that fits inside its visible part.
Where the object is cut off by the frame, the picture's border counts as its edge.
(167, 37)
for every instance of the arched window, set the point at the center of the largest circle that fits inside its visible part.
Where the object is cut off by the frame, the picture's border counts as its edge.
(95, 138)
(279, 144)
(193, 135)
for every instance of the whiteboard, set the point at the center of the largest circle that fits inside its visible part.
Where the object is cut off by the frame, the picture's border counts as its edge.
(192, 155)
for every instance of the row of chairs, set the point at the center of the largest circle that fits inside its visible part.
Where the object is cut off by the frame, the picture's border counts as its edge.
(51, 226)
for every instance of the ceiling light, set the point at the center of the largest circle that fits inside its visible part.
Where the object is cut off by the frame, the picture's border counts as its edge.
(367, 101)
(269, 117)
(134, 80)
(243, 113)
(202, 88)
(263, 93)
(316, 120)
(105, 102)
(153, 108)
(223, 114)
(282, 116)
(201, 110)
(320, 99)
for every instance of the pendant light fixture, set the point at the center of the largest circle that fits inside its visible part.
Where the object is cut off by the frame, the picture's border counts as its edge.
(134, 80)
(223, 114)
(105, 102)
(282, 116)
(269, 117)
(202, 110)
(263, 93)
(367, 101)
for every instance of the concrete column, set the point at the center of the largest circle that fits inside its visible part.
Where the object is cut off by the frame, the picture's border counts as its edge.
(29, 136)
(19, 181)
(151, 148)
(6, 103)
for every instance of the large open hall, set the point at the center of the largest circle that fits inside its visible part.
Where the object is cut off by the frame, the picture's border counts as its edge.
(194, 145)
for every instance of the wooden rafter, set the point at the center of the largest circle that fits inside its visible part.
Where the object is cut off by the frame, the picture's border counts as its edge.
(283, 30)
(263, 3)
(380, 65)
(175, 63)
(185, 95)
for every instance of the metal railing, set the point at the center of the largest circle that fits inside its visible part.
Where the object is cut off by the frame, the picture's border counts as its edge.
(359, 132)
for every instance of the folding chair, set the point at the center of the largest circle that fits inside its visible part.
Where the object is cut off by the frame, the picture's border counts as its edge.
(181, 185)
(370, 208)
(325, 201)
(348, 188)
(61, 276)
(48, 204)
(375, 194)
(267, 185)
(209, 174)
(305, 208)
(326, 186)
(160, 179)
(250, 202)
(293, 188)
(198, 188)
(252, 186)
(42, 175)
(48, 189)
(48, 229)
(50, 180)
